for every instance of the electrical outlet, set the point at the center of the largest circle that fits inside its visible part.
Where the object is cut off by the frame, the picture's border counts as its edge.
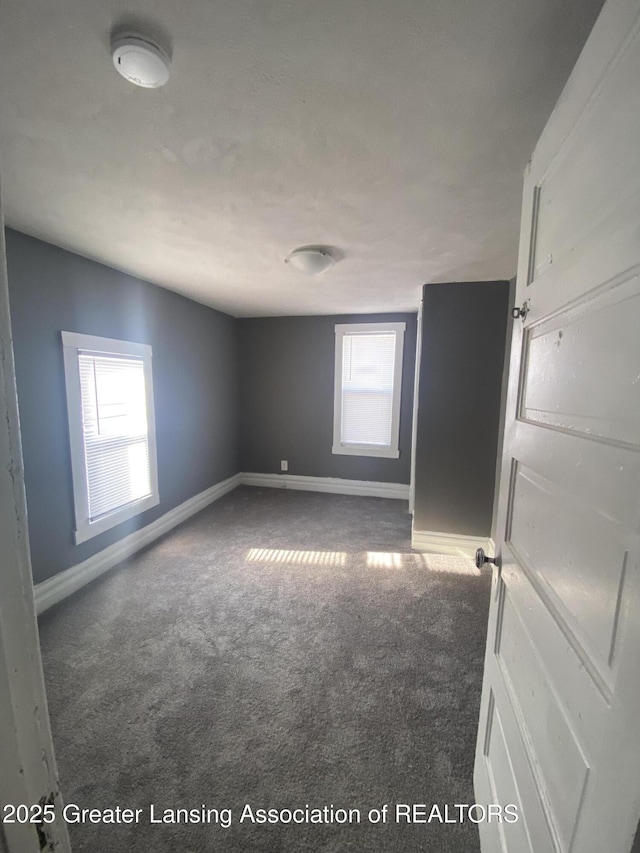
(284, 465)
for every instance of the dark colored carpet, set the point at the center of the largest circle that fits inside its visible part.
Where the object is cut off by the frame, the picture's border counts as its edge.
(279, 649)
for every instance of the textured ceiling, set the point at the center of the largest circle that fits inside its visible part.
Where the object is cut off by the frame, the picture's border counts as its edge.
(396, 131)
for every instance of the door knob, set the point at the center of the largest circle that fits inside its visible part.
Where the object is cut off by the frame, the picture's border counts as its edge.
(481, 559)
(521, 313)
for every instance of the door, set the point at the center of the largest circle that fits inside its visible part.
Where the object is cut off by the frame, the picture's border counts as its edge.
(27, 765)
(559, 731)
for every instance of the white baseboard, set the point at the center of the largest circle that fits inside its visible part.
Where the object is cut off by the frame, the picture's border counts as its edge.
(450, 543)
(334, 485)
(54, 589)
(63, 584)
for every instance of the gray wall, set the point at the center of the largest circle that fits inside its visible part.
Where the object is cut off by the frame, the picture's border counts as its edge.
(463, 346)
(286, 409)
(195, 384)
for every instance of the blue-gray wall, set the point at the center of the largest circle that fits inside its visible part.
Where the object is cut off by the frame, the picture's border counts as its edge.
(464, 325)
(286, 401)
(195, 376)
(240, 395)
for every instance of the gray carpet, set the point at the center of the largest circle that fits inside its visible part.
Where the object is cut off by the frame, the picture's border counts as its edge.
(280, 649)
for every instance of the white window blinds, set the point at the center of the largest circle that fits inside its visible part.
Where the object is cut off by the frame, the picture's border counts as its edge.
(367, 388)
(368, 374)
(112, 435)
(115, 429)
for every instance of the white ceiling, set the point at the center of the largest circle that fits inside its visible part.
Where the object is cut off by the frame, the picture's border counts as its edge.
(394, 130)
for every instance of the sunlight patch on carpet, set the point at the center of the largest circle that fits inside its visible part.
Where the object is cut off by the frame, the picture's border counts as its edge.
(385, 560)
(452, 565)
(306, 558)
(432, 562)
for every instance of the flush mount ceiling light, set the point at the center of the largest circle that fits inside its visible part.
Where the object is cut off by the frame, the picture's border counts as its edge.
(311, 260)
(140, 60)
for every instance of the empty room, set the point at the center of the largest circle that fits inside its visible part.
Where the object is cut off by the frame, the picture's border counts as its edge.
(320, 470)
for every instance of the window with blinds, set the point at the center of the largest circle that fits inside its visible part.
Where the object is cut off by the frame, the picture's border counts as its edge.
(368, 376)
(116, 432)
(110, 406)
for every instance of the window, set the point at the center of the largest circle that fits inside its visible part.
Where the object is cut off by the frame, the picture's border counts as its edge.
(368, 376)
(111, 431)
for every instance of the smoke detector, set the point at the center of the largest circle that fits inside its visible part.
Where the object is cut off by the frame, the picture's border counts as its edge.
(140, 60)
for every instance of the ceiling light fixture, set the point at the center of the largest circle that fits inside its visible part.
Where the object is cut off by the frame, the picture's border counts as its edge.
(311, 260)
(140, 60)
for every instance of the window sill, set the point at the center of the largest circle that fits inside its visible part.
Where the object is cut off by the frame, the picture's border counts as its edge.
(93, 528)
(356, 450)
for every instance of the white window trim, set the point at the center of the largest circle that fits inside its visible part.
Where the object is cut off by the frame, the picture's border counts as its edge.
(72, 342)
(393, 451)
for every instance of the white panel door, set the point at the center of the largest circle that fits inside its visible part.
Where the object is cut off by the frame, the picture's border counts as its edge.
(559, 732)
